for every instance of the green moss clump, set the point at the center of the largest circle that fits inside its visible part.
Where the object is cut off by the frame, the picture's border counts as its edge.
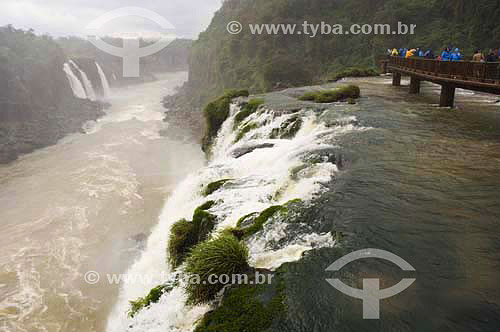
(214, 186)
(245, 218)
(263, 217)
(153, 297)
(244, 131)
(216, 112)
(247, 110)
(288, 128)
(204, 223)
(185, 234)
(181, 240)
(205, 206)
(354, 72)
(246, 308)
(330, 96)
(224, 255)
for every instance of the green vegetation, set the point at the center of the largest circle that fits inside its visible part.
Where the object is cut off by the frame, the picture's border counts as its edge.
(216, 112)
(262, 219)
(243, 131)
(330, 96)
(224, 255)
(288, 129)
(247, 308)
(354, 72)
(153, 297)
(247, 110)
(186, 234)
(252, 223)
(214, 186)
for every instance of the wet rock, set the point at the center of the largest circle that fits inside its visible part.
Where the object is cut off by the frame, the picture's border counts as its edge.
(240, 152)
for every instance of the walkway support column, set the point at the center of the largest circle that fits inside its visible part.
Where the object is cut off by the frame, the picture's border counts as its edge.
(447, 95)
(396, 79)
(414, 85)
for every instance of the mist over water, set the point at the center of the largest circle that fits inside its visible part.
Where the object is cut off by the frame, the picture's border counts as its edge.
(87, 203)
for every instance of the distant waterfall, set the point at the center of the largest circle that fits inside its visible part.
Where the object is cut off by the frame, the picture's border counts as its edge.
(75, 83)
(104, 81)
(86, 82)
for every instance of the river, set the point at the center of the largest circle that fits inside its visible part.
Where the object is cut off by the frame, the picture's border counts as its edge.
(393, 172)
(86, 204)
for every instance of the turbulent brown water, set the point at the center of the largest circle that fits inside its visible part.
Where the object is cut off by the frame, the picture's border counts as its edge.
(87, 203)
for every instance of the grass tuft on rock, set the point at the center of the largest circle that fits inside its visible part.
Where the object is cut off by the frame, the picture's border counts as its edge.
(263, 218)
(331, 96)
(224, 255)
(185, 234)
(214, 186)
(216, 112)
(251, 107)
(244, 131)
(181, 240)
(288, 129)
(153, 297)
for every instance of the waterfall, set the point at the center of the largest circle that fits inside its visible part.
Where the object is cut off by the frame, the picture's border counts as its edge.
(74, 82)
(86, 82)
(272, 171)
(104, 82)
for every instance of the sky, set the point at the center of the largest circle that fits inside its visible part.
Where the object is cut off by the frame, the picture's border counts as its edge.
(187, 18)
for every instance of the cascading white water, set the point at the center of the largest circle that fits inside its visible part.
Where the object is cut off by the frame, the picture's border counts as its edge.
(86, 82)
(256, 178)
(74, 82)
(104, 82)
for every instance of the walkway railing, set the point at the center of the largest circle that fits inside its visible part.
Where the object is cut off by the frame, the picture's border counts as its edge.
(487, 72)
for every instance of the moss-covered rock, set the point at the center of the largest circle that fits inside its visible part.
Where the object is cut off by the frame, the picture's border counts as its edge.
(181, 240)
(152, 297)
(214, 186)
(259, 222)
(216, 112)
(330, 96)
(249, 308)
(248, 109)
(185, 234)
(245, 130)
(288, 128)
(254, 222)
(224, 255)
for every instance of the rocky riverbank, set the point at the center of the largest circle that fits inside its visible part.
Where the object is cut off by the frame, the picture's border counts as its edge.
(25, 128)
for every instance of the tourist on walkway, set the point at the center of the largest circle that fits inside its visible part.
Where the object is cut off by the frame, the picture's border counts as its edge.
(429, 54)
(492, 57)
(478, 56)
(456, 55)
(445, 56)
(411, 53)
